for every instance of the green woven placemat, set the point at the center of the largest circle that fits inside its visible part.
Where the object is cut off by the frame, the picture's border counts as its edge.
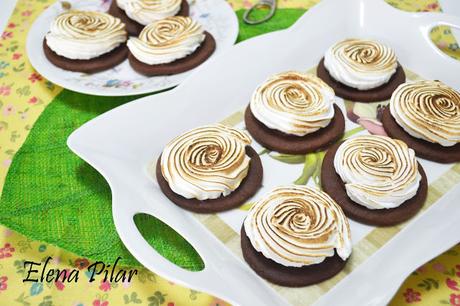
(52, 195)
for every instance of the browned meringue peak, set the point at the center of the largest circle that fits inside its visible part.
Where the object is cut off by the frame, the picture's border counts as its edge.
(294, 103)
(365, 55)
(148, 11)
(167, 40)
(297, 226)
(206, 162)
(378, 172)
(428, 110)
(85, 34)
(361, 64)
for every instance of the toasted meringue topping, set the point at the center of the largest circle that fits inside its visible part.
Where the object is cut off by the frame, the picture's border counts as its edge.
(148, 11)
(429, 110)
(298, 226)
(167, 40)
(361, 64)
(293, 103)
(206, 162)
(378, 172)
(84, 34)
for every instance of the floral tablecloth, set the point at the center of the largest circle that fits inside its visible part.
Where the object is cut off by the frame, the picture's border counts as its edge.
(23, 96)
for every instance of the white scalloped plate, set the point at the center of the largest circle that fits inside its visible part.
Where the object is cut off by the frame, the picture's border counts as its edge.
(216, 16)
(121, 144)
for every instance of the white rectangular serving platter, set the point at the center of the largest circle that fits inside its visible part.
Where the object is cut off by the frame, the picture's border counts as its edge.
(122, 143)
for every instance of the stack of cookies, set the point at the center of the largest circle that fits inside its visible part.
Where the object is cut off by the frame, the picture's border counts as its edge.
(156, 36)
(296, 235)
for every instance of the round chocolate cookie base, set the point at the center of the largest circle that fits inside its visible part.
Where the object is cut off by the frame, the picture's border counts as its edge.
(133, 27)
(291, 144)
(100, 63)
(289, 276)
(248, 187)
(181, 65)
(333, 185)
(422, 148)
(378, 94)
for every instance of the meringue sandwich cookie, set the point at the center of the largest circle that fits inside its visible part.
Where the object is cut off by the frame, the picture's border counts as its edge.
(426, 116)
(209, 169)
(296, 236)
(86, 41)
(170, 46)
(294, 113)
(136, 14)
(375, 179)
(361, 70)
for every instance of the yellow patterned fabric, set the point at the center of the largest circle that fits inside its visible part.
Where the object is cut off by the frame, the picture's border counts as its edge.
(23, 96)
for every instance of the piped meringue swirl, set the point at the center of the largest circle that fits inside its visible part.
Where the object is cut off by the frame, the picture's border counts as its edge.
(428, 110)
(167, 40)
(85, 35)
(298, 226)
(293, 103)
(361, 64)
(206, 162)
(148, 11)
(378, 172)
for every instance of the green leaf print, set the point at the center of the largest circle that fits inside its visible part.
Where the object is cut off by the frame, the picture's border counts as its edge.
(288, 158)
(157, 299)
(309, 168)
(351, 132)
(133, 298)
(246, 206)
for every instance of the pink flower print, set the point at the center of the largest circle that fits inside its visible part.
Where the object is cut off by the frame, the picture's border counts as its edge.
(35, 77)
(32, 100)
(59, 285)
(126, 284)
(455, 299)
(5, 90)
(100, 303)
(8, 110)
(170, 304)
(452, 284)
(432, 6)
(105, 286)
(7, 162)
(7, 35)
(421, 269)
(11, 25)
(439, 267)
(16, 56)
(373, 126)
(6, 251)
(412, 296)
(3, 283)
(26, 13)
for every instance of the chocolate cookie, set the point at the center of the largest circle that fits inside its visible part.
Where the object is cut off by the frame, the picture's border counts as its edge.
(191, 61)
(291, 144)
(133, 27)
(248, 187)
(289, 276)
(100, 63)
(333, 185)
(422, 148)
(378, 94)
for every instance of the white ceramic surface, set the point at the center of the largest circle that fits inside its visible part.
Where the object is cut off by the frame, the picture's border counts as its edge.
(122, 142)
(216, 16)
(5, 12)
